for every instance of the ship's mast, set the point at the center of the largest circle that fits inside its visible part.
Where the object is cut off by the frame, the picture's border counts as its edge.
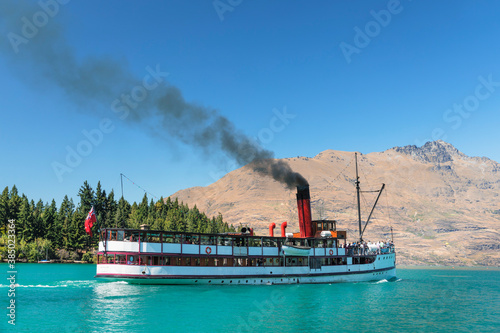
(357, 193)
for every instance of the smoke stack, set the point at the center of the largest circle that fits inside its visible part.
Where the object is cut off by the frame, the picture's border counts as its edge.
(304, 209)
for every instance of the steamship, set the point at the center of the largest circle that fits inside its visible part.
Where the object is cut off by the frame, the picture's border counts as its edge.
(319, 253)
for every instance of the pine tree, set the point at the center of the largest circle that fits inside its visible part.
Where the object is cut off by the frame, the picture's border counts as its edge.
(14, 203)
(49, 216)
(122, 214)
(134, 219)
(100, 203)
(87, 198)
(77, 237)
(24, 224)
(192, 220)
(172, 221)
(110, 210)
(38, 226)
(64, 222)
(5, 214)
(143, 210)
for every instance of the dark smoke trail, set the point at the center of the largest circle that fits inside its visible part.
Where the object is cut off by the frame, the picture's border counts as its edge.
(45, 57)
(206, 128)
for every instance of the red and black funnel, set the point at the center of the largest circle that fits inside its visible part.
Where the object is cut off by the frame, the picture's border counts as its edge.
(304, 208)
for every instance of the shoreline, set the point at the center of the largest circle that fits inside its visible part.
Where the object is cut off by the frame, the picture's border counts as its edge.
(456, 268)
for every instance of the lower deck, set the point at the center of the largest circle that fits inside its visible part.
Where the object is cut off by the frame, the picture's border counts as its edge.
(349, 270)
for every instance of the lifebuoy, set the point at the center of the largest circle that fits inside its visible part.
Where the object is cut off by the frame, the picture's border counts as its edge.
(208, 250)
(331, 252)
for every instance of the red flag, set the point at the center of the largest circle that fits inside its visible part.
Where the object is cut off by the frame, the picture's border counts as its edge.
(89, 221)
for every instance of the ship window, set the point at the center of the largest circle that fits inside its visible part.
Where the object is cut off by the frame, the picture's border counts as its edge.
(156, 261)
(121, 259)
(133, 260)
(270, 242)
(223, 240)
(192, 239)
(120, 235)
(208, 240)
(255, 242)
(188, 261)
(168, 238)
(238, 241)
(153, 237)
(145, 260)
(131, 236)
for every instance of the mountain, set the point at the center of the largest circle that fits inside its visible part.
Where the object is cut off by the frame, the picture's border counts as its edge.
(443, 205)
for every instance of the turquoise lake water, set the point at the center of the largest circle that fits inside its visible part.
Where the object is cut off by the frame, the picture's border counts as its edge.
(67, 298)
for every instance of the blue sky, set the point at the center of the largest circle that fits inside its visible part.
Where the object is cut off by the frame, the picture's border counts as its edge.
(298, 77)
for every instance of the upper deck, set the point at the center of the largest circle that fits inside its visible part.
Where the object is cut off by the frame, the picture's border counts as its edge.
(148, 241)
(231, 244)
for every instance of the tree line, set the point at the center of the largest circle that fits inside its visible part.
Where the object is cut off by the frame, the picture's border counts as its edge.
(45, 230)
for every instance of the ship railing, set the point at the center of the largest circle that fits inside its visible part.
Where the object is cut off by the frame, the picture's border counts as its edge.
(359, 251)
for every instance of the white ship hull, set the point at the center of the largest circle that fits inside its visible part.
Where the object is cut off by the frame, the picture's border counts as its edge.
(383, 268)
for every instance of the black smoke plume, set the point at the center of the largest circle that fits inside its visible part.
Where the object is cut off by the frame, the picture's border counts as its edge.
(43, 57)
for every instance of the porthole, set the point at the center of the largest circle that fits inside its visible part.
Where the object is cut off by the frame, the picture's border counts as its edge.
(222, 281)
(209, 281)
(247, 281)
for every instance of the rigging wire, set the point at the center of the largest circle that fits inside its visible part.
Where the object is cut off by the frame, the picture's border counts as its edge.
(388, 213)
(387, 207)
(342, 172)
(154, 196)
